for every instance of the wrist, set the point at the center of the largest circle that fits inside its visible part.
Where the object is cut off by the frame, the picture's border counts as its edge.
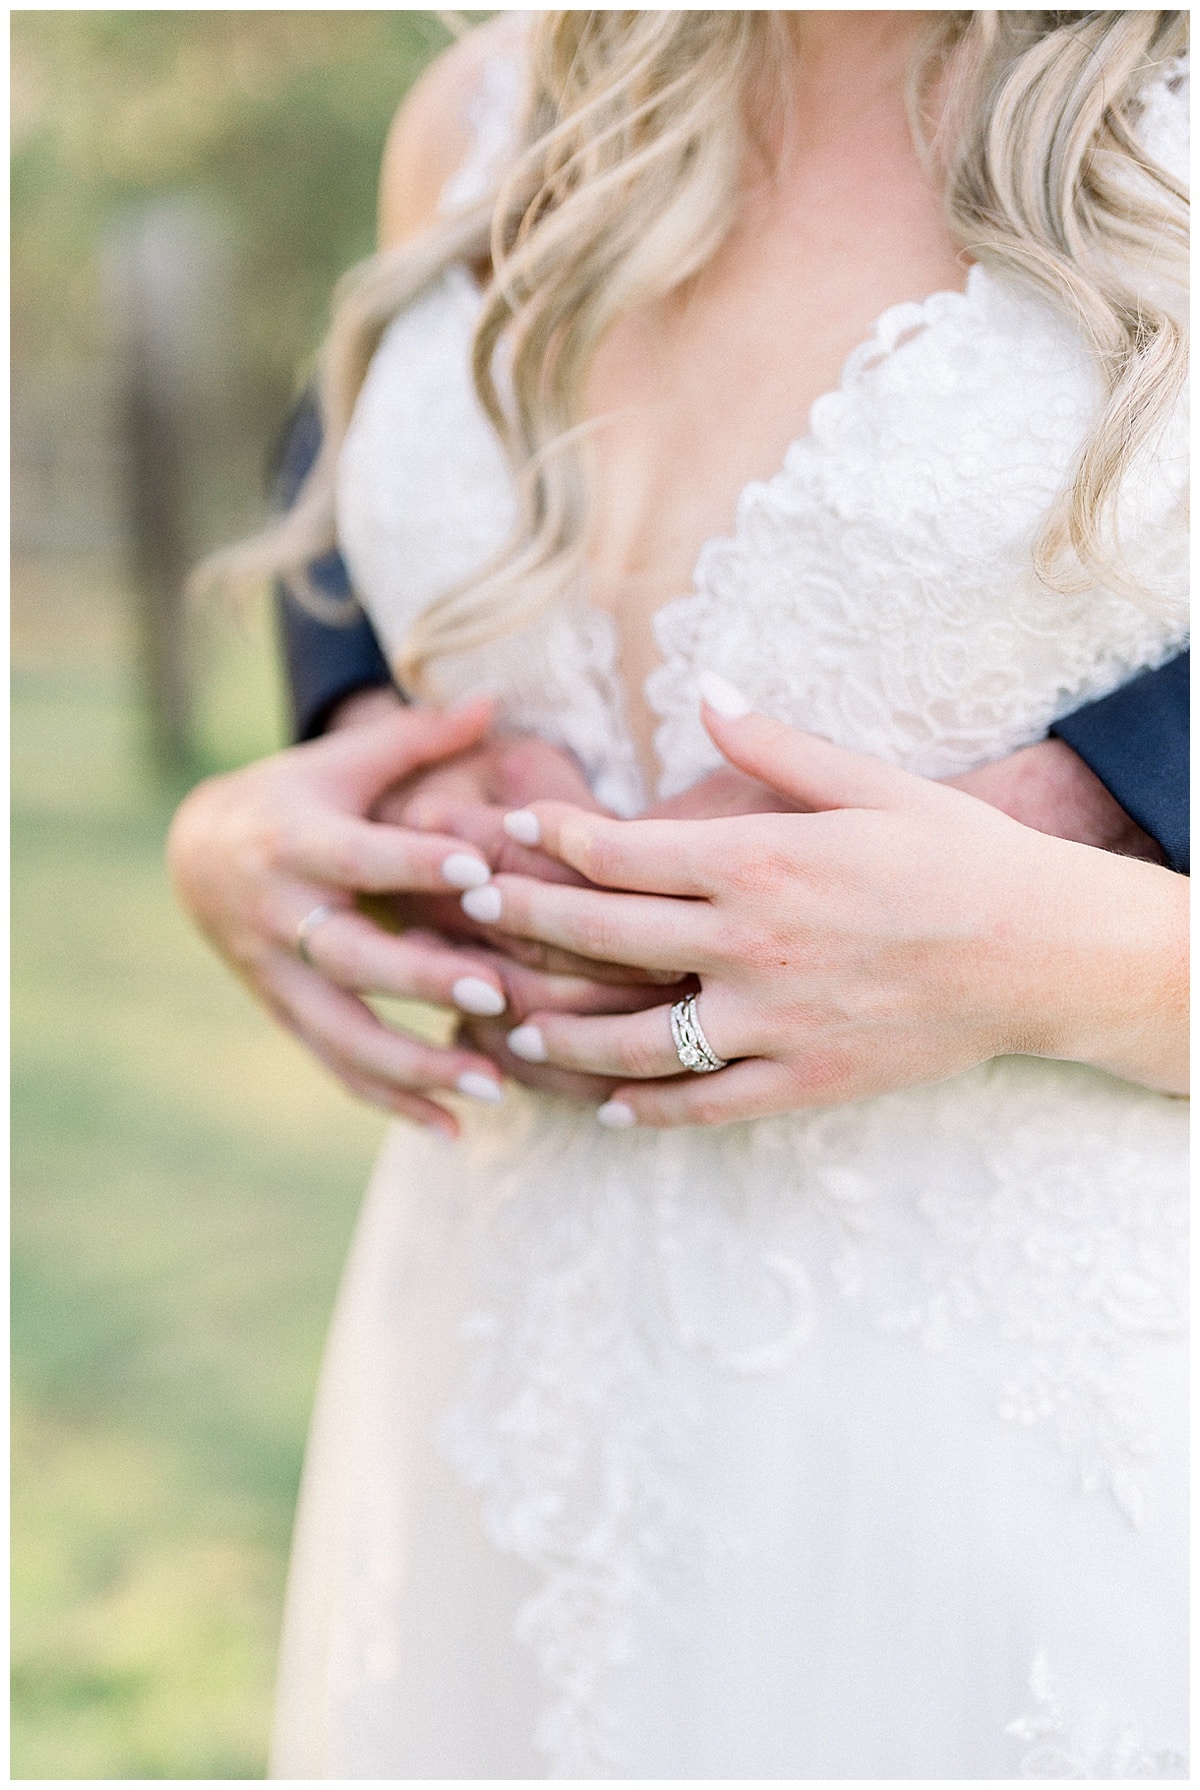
(1103, 975)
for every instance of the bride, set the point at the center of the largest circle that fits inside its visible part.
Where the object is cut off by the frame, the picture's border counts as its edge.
(819, 1412)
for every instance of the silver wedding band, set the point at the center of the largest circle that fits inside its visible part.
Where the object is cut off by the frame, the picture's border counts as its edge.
(691, 1046)
(307, 927)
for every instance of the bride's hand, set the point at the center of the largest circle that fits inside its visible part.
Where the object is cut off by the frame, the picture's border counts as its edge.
(467, 797)
(900, 933)
(254, 853)
(1046, 786)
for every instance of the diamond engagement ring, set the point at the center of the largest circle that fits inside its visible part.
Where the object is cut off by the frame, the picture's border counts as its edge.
(306, 929)
(691, 1046)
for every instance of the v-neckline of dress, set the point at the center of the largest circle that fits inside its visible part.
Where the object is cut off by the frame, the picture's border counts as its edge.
(891, 331)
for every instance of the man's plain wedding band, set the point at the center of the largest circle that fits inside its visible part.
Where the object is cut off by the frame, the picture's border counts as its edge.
(691, 1046)
(307, 927)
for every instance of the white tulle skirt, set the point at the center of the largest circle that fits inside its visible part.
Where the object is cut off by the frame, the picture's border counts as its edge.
(848, 1444)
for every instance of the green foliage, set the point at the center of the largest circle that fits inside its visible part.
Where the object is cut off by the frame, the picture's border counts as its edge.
(184, 1178)
(278, 116)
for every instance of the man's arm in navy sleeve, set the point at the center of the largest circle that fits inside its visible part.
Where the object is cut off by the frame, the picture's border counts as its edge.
(1136, 742)
(326, 661)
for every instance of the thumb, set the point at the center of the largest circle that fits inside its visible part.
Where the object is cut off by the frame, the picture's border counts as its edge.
(810, 770)
(362, 762)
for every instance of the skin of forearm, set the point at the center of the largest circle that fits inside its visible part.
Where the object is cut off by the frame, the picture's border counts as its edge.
(1048, 786)
(1095, 970)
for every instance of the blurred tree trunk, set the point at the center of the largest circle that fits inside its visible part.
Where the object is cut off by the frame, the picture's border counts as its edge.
(169, 286)
(158, 548)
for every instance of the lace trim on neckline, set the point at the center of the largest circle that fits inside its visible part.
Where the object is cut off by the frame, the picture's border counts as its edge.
(894, 329)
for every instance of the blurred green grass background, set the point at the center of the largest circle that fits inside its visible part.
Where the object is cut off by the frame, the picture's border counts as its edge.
(184, 1178)
(184, 1181)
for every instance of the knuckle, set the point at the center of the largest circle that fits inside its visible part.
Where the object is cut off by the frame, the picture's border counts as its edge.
(706, 1109)
(348, 956)
(269, 843)
(737, 942)
(640, 1058)
(661, 1115)
(580, 846)
(262, 920)
(825, 1076)
(595, 857)
(762, 870)
(348, 862)
(762, 948)
(423, 1069)
(594, 935)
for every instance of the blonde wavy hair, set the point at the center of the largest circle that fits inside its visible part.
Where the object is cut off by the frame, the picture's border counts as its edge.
(626, 182)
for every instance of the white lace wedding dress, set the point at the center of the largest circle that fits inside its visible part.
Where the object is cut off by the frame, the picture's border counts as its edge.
(844, 1444)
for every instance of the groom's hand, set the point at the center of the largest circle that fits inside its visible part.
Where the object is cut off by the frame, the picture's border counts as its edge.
(469, 797)
(271, 860)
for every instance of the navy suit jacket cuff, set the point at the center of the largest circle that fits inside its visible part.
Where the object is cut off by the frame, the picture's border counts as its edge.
(1136, 741)
(326, 662)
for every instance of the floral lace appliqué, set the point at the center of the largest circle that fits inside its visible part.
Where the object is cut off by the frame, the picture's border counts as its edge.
(878, 591)
(1101, 1746)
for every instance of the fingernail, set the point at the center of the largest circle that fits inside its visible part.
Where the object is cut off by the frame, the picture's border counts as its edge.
(474, 995)
(723, 696)
(462, 870)
(482, 904)
(479, 1087)
(527, 1043)
(523, 826)
(616, 1115)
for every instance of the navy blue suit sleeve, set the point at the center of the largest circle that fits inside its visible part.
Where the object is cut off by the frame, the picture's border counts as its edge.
(325, 661)
(1136, 741)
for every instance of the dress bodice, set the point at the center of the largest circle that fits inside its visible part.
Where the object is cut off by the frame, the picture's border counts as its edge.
(663, 1336)
(878, 590)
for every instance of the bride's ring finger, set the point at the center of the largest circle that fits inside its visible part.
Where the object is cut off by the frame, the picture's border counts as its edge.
(629, 1046)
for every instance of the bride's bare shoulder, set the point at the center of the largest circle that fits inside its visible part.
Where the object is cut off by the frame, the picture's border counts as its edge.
(431, 133)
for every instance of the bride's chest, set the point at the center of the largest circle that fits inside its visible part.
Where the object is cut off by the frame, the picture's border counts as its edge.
(693, 396)
(877, 588)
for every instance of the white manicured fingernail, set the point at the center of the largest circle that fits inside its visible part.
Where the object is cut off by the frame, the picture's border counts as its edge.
(616, 1115)
(723, 696)
(523, 826)
(482, 904)
(474, 995)
(479, 1087)
(464, 871)
(527, 1043)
